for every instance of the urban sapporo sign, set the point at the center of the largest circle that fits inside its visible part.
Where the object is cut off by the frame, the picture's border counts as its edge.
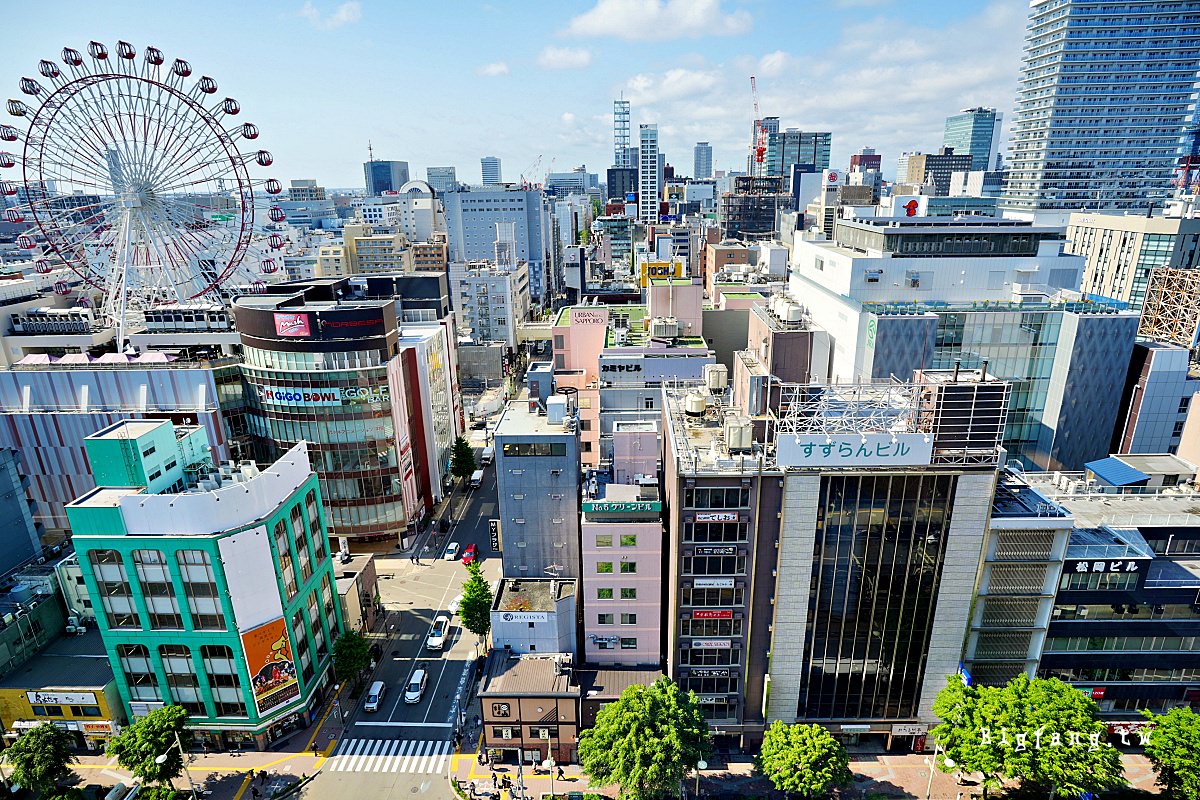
(853, 450)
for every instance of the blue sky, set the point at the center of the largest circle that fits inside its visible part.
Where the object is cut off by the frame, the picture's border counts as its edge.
(445, 83)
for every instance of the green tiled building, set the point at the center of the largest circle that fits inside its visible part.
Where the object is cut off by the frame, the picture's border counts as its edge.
(212, 584)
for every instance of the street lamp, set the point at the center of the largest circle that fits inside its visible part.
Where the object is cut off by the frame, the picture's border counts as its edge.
(699, 766)
(162, 759)
(932, 764)
(548, 765)
(337, 703)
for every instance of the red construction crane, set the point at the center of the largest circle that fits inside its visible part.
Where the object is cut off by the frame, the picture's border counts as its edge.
(760, 133)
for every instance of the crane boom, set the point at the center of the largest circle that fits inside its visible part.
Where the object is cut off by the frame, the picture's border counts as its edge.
(759, 147)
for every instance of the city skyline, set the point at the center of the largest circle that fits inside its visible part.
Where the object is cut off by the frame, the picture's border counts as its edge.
(876, 73)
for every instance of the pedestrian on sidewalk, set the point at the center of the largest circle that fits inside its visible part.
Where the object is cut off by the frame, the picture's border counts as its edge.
(254, 792)
(495, 781)
(560, 774)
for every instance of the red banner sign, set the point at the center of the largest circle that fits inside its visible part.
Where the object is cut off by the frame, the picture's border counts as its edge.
(723, 613)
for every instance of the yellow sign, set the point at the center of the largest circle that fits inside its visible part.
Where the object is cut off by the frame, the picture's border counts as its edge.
(655, 270)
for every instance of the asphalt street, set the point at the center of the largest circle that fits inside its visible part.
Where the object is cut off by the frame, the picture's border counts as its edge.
(406, 747)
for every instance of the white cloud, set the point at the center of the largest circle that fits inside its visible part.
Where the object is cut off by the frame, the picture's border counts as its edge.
(674, 84)
(567, 118)
(344, 14)
(658, 20)
(492, 70)
(773, 64)
(564, 58)
(884, 82)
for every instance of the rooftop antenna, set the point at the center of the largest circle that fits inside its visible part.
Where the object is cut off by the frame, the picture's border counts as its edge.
(370, 151)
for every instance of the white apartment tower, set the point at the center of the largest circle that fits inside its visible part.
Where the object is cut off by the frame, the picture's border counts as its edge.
(649, 174)
(1106, 91)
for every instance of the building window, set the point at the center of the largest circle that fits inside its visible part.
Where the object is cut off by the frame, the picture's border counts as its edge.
(200, 587)
(628, 594)
(648, 404)
(158, 589)
(629, 619)
(285, 559)
(604, 644)
(607, 594)
(116, 594)
(710, 627)
(714, 565)
(628, 643)
(604, 540)
(604, 567)
(717, 497)
(604, 619)
(47, 711)
(628, 567)
(628, 540)
(301, 539)
(85, 711)
(1099, 581)
(181, 678)
(314, 527)
(149, 451)
(139, 674)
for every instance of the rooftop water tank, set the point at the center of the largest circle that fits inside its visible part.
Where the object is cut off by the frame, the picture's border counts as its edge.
(694, 404)
(793, 313)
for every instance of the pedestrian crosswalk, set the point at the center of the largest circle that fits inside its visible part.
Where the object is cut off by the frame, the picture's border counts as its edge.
(390, 755)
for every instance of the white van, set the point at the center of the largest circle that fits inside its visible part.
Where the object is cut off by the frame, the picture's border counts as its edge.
(476, 479)
(489, 455)
(415, 689)
(375, 696)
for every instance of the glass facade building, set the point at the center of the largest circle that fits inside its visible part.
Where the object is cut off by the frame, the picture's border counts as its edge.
(975, 131)
(877, 562)
(1106, 91)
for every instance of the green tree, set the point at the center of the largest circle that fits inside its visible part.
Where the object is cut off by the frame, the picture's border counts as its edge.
(41, 758)
(1174, 752)
(646, 742)
(475, 608)
(462, 459)
(1079, 760)
(138, 747)
(803, 759)
(966, 712)
(351, 656)
(584, 235)
(1044, 733)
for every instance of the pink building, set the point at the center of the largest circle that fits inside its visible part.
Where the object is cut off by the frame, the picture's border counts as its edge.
(622, 554)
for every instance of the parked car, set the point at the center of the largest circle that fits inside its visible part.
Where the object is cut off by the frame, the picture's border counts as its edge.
(470, 554)
(479, 424)
(454, 604)
(451, 551)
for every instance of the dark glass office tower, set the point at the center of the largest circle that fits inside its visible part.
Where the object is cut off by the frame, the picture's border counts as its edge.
(877, 562)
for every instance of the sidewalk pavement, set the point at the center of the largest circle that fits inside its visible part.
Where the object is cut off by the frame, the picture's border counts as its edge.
(876, 776)
(232, 775)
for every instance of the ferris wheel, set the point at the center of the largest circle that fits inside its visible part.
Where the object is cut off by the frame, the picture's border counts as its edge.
(138, 179)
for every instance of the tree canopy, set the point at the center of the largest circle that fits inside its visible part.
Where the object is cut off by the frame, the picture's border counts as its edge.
(40, 758)
(1174, 752)
(804, 759)
(351, 656)
(475, 608)
(138, 746)
(646, 742)
(462, 459)
(1042, 732)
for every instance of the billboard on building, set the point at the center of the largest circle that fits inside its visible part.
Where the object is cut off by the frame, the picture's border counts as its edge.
(272, 668)
(853, 449)
(292, 324)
